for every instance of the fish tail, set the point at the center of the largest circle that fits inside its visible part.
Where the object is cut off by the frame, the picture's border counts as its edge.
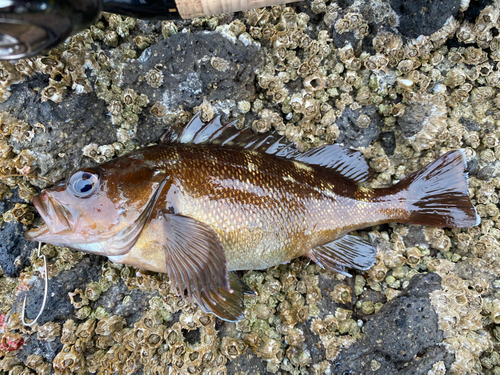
(438, 195)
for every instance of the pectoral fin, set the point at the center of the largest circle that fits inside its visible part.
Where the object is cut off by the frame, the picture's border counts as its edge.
(348, 251)
(194, 255)
(228, 305)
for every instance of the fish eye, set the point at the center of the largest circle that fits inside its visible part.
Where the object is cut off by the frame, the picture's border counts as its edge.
(83, 183)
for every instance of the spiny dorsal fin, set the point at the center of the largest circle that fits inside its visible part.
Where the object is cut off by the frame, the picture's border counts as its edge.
(348, 163)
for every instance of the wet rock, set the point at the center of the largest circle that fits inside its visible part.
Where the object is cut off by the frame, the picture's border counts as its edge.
(415, 236)
(404, 327)
(112, 301)
(12, 245)
(469, 124)
(423, 17)
(473, 167)
(48, 350)
(486, 173)
(247, 363)
(475, 7)
(58, 306)
(351, 134)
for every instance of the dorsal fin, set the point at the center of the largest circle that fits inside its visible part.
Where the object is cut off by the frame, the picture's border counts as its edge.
(349, 163)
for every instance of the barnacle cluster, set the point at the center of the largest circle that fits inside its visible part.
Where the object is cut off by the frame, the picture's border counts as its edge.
(153, 344)
(14, 163)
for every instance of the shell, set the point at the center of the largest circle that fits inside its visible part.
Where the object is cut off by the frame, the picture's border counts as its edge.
(49, 331)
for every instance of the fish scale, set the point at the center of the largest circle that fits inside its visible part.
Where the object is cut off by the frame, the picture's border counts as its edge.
(214, 199)
(268, 210)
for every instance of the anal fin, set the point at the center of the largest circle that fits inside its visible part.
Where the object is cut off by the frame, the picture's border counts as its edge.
(346, 252)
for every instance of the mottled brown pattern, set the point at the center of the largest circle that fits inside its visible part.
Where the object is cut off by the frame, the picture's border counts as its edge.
(266, 210)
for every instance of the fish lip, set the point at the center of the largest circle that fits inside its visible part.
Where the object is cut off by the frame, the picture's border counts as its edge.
(37, 234)
(55, 219)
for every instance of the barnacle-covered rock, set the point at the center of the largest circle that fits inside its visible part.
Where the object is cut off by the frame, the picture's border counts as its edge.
(423, 120)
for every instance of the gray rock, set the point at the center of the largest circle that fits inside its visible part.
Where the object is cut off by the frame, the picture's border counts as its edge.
(404, 327)
(12, 245)
(12, 242)
(423, 17)
(189, 76)
(412, 120)
(351, 135)
(70, 125)
(388, 142)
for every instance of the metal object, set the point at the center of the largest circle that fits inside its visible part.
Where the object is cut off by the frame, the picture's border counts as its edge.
(29, 27)
(46, 277)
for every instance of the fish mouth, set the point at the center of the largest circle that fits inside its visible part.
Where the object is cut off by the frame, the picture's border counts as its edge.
(56, 222)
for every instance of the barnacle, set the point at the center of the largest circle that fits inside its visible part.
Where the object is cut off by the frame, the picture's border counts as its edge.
(36, 362)
(81, 299)
(24, 162)
(49, 331)
(232, 348)
(53, 92)
(20, 131)
(341, 294)
(219, 64)
(158, 109)
(154, 78)
(85, 330)
(68, 359)
(9, 75)
(142, 41)
(168, 28)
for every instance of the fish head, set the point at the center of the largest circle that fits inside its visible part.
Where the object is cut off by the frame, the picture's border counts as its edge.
(95, 205)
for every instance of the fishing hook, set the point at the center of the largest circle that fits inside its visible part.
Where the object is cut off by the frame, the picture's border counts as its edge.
(44, 294)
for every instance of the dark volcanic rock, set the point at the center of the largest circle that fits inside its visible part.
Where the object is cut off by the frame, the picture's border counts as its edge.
(388, 142)
(12, 242)
(12, 245)
(58, 306)
(80, 119)
(423, 17)
(412, 120)
(187, 63)
(70, 125)
(351, 135)
(404, 327)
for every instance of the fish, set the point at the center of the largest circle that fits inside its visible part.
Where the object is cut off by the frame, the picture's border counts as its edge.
(212, 199)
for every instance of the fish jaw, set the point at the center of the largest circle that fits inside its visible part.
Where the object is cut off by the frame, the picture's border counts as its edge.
(37, 234)
(56, 222)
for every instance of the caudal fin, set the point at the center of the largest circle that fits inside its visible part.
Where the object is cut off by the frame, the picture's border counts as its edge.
(438, 195)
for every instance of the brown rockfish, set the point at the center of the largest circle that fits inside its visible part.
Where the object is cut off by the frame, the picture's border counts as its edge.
(200, 206)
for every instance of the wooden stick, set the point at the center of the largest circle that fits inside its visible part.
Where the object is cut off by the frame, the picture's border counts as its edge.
(203, 8)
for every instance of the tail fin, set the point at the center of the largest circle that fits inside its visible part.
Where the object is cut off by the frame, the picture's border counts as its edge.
(438, 195)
